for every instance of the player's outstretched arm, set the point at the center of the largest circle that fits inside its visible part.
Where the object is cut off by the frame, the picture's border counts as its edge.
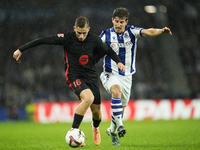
(17, 54)
(166, 30)
(155, 32)
(43, 40)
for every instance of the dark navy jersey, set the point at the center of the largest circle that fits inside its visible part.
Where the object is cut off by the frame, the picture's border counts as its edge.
(80, 56)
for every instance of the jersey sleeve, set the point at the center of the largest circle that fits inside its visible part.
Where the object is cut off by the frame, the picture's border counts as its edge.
(58, 39)
(136, 31)
(102, 50)
(103, 37)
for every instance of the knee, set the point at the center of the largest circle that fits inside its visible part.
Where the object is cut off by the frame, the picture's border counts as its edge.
(87, 97)
(116, 91)
(89, 100)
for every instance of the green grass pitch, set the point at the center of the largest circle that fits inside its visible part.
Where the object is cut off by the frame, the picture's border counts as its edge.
(150, 135)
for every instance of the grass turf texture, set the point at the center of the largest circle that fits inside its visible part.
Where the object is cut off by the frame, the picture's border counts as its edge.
(151, 135)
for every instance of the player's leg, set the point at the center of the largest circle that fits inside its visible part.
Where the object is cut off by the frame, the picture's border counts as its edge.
(113, 134)
(108, 80)
(113, 124)
(117, 108)
(96, 118)
(96, 112)
(87, 99)
(125, 84)
(112, 84)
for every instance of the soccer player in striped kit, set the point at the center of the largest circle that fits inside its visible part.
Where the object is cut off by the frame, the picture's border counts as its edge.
(122, 38)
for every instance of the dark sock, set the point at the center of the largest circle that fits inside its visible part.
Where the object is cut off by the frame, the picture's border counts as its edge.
(77, 121)
(96, 122)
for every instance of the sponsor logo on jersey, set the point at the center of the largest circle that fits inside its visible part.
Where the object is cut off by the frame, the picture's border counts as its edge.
(83, 60)
(60, 35)
(112, 45)
(124, 44)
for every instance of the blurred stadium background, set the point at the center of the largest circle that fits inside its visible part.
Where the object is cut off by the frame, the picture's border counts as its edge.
(168, 67)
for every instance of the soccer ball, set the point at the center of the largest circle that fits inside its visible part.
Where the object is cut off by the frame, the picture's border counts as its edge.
(75, 138)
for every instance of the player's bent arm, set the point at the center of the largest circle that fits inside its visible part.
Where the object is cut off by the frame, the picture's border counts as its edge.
(155, 32)
(17, 54)
(121, 67)
(114, 57)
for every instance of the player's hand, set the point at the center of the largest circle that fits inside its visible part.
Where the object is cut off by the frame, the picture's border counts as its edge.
(17, 54)
(166, 30)
(121, 67)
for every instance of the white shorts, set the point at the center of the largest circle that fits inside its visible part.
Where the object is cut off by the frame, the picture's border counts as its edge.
(109, 79)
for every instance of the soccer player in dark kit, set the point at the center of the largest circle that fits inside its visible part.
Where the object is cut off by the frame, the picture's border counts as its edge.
(82, 51)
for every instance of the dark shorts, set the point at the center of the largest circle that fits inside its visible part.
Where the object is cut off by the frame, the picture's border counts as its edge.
(79, 84)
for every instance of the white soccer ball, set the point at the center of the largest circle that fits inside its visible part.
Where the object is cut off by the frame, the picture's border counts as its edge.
(75, 138)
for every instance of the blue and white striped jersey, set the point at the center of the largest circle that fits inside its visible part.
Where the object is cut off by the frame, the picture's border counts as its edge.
(124, 45)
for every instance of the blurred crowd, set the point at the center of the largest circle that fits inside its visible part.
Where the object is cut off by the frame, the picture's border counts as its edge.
(40, 75)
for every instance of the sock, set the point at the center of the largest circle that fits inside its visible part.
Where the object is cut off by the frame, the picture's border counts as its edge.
(113, 126)
(116, 107)
(77, 120)
(96, 123)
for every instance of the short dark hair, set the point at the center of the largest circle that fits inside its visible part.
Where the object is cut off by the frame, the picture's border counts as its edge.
(82, 22)
(121, 13)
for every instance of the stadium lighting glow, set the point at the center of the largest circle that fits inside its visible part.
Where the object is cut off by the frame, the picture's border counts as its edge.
(163, 9)
(150, 9)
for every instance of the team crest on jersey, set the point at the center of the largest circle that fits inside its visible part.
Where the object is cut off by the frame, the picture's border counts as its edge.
(112, 45)
(126, 35)
(84, 46)
(60, 35)
(114, 37)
